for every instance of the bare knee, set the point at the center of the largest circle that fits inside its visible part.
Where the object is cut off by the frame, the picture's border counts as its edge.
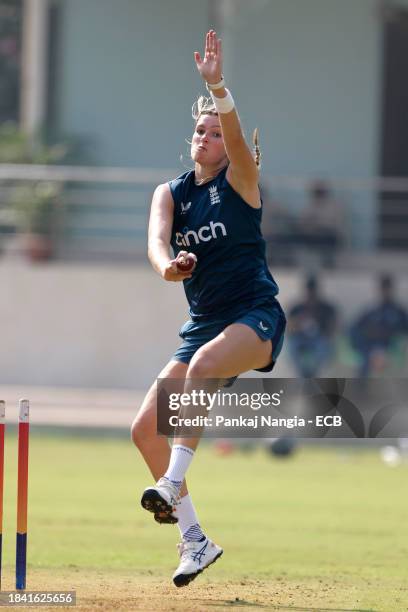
(201, 366)
(144, 426)
(143, 429)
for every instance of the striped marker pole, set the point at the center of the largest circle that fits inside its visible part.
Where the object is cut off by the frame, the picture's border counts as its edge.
(22, 494)
(2, 428)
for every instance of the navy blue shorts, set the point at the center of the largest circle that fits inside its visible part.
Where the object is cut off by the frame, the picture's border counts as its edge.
(267, 320)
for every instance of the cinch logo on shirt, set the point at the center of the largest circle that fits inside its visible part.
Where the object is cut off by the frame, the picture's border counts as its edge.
(204, 234)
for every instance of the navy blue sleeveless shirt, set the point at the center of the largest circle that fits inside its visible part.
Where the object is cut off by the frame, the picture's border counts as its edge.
(224, 232)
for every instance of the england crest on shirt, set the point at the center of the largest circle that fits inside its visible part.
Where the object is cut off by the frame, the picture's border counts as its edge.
(214, 195)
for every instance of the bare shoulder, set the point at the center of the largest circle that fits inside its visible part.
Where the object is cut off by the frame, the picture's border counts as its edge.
(162, 196)
(247, 189)
(162, 190)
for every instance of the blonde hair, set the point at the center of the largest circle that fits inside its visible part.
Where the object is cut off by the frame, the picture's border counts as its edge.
(205, 106)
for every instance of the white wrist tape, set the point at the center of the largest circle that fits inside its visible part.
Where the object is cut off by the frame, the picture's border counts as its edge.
(223, 105)
(218, 85)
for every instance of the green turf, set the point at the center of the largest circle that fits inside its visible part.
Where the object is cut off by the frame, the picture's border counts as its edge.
(324, 514)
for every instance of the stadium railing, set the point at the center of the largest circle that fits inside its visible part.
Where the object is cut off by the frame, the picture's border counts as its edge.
(102, 213)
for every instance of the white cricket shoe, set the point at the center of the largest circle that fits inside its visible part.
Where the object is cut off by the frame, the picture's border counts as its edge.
(161, 500)
(194, 558)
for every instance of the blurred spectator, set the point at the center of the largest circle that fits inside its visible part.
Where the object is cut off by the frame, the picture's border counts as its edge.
(378, 333)
(322, 223)
(312, 324)
(279, 229)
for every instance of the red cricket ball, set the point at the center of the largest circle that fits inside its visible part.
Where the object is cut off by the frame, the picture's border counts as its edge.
(186, 263)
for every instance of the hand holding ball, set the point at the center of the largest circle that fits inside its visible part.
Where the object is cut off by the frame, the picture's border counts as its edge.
(179, 269)
(186, 262)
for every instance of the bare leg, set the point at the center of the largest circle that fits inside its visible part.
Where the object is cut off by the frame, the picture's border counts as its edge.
(235, 350)
(155, 449)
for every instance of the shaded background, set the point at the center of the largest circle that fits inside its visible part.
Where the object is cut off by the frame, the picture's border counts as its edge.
(95, 110)
(101, 92)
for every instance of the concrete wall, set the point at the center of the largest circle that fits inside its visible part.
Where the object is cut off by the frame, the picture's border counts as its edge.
(115, 327)
(86, 326)
(127, 77)
(308, 74)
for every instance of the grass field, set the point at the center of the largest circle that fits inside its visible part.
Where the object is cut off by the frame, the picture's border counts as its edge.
(325, 530)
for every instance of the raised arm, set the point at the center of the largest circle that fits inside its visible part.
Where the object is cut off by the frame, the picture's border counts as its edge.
(243, 172)
(160, 225)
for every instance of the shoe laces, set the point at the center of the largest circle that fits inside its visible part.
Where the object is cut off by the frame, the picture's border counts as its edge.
(185, 548)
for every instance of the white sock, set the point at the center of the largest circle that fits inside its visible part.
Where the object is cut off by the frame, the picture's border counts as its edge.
(188, 524)
(180, 459)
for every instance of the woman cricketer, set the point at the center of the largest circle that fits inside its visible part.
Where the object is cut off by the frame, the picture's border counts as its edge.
(236, 324)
